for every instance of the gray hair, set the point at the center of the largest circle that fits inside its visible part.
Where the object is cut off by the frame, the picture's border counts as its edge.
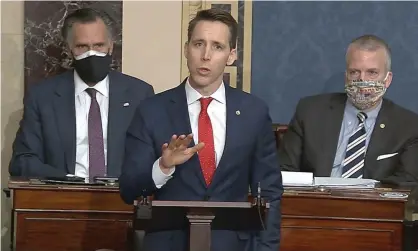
(86, 15)
(371, 43)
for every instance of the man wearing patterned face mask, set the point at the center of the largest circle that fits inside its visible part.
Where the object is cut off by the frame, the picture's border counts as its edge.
(365, 94)
(357, 134)
(75, 123)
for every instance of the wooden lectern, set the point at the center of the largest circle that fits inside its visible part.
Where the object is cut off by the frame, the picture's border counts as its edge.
(201, 217)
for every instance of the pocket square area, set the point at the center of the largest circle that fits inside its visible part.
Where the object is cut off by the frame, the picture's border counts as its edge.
(385, 156)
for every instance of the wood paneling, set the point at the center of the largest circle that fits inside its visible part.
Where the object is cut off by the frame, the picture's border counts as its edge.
(67, 218)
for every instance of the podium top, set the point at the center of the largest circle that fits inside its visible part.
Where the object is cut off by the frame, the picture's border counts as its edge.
(38, 184)
(203, 204)
(380, 192)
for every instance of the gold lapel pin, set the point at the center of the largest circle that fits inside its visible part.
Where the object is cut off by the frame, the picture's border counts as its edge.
(238, 112)
(382, 126)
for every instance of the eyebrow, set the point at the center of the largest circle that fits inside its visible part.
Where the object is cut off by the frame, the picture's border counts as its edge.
(214, 42)
(370, 69)
(86, 44)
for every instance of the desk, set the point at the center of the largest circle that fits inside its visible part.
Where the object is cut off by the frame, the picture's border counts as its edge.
(344, 220)
(67, 218)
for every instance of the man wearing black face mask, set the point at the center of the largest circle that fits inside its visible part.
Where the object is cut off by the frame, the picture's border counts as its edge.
(75, 123)
(357, 134)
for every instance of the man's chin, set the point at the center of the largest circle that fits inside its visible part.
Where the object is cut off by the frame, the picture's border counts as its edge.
(200, 81)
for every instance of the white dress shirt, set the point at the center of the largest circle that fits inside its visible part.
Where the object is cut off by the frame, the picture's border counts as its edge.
(217, 115)
(82, 107)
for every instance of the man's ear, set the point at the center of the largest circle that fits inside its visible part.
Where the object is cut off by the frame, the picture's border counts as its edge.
(232, 57)
(69, 51)
(389, 79)
(111, 48)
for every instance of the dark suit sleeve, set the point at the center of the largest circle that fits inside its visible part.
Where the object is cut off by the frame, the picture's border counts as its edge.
(28, 148)
(290, 150)
(266, 170)
(136, 176)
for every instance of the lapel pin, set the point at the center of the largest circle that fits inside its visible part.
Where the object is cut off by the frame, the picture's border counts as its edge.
(382, 126)
(237, 112)
(126, 104)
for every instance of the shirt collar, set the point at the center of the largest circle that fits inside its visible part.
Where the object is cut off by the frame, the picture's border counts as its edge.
(192, 95)
(371, 115)
(81, 86)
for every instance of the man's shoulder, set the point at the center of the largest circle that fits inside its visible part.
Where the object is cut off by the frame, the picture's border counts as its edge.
(161, 97)
(132, 81)
(48, 85)
(158, 100)
(325, 98)
(316, 105)
(174, 94)
(400, 114)
(249, 100)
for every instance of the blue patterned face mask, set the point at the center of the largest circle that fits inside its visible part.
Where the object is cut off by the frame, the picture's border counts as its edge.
(365, 94)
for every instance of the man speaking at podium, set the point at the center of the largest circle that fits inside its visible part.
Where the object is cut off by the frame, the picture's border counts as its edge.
(204, 140)
(357, 134)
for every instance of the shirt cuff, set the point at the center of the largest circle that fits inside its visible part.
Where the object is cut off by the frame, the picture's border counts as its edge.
(158, 176)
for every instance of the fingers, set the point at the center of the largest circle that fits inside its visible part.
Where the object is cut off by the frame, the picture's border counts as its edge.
(194, 149)
(181, 142)
(187, 140)
(164, 147)
(172, 144)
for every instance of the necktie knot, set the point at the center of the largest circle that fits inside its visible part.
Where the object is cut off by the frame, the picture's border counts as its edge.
(204, 103)
(362, 117)
(91, 92)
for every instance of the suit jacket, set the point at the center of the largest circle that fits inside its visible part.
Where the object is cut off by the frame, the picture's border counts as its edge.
(249, 157)
(310, 143)
(45, 143)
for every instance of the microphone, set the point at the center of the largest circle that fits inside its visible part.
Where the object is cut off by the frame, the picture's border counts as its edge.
(259, 192)
(144, 195)
(259, 202)
(143, 209)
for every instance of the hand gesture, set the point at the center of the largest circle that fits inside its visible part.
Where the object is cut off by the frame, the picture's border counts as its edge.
(177, 151)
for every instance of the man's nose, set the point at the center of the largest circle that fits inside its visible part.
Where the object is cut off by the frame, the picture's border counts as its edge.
(206, 54)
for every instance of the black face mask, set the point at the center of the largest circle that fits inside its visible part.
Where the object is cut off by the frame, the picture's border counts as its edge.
(93, 69)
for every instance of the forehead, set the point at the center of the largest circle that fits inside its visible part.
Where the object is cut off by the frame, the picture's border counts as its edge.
(365, 59)
(92, 32)
(211, 31)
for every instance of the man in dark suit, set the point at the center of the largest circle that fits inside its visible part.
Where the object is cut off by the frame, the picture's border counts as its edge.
(358, 134)
(230, 130)
(76, 122)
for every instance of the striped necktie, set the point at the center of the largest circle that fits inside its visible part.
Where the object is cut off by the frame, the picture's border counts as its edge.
(356, 149)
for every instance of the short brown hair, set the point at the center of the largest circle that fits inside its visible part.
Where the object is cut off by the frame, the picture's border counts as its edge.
(216, 15)
(372, 43)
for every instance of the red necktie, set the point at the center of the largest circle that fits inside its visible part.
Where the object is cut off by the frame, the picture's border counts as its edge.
(207, 154)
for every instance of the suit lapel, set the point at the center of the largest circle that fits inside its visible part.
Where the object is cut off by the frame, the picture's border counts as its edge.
(64, 109)
(179, 115)
(331, 126)
(377, 139)
(116, 114)
(232, 134)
